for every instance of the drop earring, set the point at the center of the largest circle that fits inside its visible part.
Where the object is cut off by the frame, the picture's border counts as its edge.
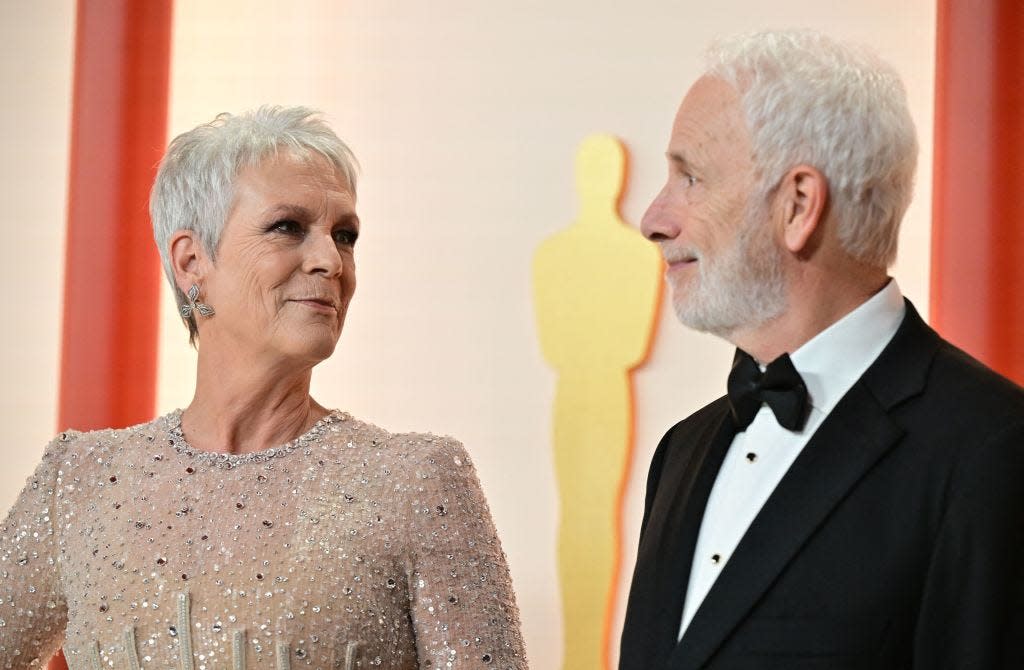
(194, 305)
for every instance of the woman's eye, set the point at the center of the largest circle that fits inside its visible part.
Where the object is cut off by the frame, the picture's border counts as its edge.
(345, 237)
(286, 226)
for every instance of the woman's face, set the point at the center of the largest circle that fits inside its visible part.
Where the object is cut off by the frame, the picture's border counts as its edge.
(285, 270)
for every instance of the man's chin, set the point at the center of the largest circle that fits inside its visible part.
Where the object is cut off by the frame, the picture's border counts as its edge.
(723, 318)
(696, 315)
(695, 320)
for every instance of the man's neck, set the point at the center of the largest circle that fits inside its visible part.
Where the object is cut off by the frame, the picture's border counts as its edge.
(811, 308)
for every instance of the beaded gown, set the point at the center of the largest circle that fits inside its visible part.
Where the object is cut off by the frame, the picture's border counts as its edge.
(349, 547)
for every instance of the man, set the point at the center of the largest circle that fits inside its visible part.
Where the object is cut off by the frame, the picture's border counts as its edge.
(857, 500)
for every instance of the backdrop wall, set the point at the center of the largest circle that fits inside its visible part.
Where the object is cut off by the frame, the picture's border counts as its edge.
(466, 118)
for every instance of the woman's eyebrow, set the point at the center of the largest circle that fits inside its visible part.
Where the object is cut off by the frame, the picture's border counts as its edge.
(298, 211)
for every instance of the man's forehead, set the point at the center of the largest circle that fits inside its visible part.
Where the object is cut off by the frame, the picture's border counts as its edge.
(711, 107)
(710, 96)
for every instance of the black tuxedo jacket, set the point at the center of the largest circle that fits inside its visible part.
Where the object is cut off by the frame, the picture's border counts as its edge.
(895, 540)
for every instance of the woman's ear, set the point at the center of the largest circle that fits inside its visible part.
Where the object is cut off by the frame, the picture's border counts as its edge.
(804, 195)
(187, 256)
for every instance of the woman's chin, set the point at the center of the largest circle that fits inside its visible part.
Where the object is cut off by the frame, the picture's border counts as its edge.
(304, 350)
(314, 351)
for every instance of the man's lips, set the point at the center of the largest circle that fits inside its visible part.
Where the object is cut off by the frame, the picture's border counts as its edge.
(679, 257)
(680, 262)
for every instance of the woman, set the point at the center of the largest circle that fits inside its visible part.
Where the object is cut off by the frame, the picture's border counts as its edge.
(256, 528)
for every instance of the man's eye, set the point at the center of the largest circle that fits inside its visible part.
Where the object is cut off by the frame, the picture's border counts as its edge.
(345, 237)
(683, 174)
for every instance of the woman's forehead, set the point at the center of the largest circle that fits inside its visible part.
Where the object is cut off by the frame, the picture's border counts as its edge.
(286, 183)
(291, 175)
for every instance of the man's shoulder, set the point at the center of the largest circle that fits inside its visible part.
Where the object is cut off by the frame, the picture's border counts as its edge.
(686, 437)
(961, 379)
(927, 370)
(706, 418)
(942, 396)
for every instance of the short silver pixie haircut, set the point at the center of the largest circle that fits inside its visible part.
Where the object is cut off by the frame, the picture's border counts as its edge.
(809, 99)
(195, 186)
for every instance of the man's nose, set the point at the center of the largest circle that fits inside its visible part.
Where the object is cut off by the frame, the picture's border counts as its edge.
(656, 224)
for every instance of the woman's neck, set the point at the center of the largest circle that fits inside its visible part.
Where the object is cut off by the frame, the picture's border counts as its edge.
(243, 407)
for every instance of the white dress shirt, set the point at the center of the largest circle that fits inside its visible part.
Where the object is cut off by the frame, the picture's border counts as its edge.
(758, 457)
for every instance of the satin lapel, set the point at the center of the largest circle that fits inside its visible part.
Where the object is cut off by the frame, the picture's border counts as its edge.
(854, 436)
(666, 550)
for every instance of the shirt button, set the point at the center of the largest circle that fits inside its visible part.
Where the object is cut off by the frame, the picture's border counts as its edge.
(751, 456)
(716, 558)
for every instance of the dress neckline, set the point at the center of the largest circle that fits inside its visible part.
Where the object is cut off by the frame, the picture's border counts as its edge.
(177, 441)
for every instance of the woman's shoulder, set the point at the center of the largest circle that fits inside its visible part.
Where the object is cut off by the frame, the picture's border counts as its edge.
(420, 464)
(427, 449)
(76, 445)
(425, 478)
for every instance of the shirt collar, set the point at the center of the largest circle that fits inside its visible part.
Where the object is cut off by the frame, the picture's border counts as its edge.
(835, 358)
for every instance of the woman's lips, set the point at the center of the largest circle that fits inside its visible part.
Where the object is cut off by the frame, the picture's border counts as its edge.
(317, 304)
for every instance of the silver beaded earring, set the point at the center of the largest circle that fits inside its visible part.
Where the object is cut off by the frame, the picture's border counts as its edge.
(195, 305)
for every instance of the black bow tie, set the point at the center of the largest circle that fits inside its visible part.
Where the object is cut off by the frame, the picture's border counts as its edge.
(780, 385)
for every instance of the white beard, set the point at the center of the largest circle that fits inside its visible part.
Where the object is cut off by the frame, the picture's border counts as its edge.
(743, 287)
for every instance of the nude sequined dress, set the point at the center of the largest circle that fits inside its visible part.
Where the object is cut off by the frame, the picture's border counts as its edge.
(348, 548)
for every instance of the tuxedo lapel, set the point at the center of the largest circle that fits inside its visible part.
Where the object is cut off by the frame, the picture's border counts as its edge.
(655, 606)
(855, 435)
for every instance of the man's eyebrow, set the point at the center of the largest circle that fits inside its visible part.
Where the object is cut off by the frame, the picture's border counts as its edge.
(677, 158)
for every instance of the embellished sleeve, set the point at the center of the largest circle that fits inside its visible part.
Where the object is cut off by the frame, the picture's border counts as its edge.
(33, 614)
(463, 608)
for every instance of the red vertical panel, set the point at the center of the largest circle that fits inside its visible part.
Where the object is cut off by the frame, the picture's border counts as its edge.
(112, 271)
(977, 282)
(111, 291)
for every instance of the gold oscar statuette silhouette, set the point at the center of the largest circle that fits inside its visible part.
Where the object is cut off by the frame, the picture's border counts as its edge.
(597, 290)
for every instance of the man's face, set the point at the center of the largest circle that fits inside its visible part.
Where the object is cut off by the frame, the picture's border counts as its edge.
(724, 266)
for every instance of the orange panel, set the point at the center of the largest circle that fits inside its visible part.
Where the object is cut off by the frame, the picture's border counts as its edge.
(118, 131)
(977, 282)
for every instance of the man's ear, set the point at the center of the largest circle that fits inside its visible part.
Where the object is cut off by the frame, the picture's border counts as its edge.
(804, 196)
(187, 259)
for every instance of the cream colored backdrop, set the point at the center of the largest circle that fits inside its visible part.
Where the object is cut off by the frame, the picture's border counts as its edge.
(466, 117)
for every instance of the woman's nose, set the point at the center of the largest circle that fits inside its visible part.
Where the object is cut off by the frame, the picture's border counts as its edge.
(323, 257)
